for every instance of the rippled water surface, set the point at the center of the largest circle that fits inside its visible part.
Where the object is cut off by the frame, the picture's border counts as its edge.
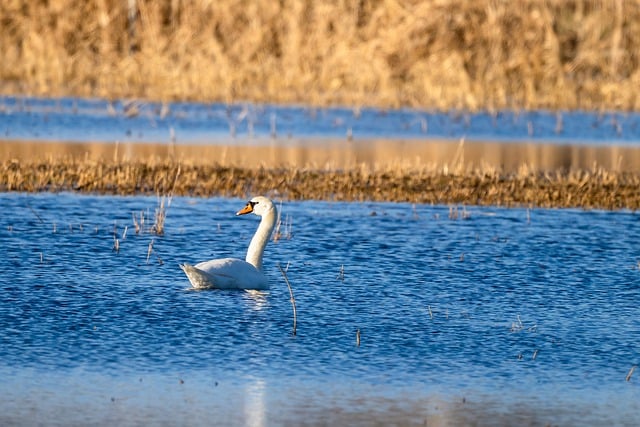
(478, 315)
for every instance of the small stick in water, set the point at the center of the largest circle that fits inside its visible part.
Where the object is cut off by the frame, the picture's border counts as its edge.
(149, 250)
(633, 368)
(358, 337)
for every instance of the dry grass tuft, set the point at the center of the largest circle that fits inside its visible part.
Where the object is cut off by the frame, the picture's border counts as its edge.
(485, 54)
(284, 229)
(164, 202)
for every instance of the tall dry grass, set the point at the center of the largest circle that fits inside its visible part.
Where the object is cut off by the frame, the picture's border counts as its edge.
(485, 54)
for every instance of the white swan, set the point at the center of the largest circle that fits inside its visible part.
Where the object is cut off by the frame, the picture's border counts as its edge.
(234, 273)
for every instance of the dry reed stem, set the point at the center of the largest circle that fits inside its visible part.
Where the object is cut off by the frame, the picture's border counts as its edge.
(483, 54)
(149, 250)
(292, 298)
(164, 202)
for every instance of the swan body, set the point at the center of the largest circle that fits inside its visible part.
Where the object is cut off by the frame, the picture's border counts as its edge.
(234, 273)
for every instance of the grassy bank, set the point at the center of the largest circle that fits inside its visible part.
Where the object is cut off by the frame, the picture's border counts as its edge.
(485, 54)
(585, 189)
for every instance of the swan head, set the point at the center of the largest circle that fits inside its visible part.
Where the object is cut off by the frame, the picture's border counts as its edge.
(259, 205)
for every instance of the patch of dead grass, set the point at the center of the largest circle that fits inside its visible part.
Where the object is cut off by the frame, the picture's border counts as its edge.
(597, 188)
(486, 54)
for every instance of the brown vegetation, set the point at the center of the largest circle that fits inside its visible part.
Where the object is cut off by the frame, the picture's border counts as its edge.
(428, 172)
(578, 188)
(484, 54)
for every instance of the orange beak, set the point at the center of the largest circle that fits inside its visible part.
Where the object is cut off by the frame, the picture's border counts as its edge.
(247, 209)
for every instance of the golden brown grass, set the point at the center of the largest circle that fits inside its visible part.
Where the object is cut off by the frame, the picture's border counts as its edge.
(598, 188)
(485, 54)
(438, 172)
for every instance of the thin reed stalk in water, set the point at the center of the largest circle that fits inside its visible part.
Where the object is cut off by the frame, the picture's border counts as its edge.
(36, 214)
(149, 250)
(138, 225)
(161, 211)
(293, 300)
(633, 368)
(161, 215)
(288, 226)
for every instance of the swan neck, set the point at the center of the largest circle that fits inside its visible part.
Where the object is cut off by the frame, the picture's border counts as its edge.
(261, 238)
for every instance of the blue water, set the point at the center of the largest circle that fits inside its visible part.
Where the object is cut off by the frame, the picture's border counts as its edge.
(495, 317)
(82, 120)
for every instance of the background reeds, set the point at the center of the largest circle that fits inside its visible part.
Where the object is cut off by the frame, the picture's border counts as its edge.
(485, 54)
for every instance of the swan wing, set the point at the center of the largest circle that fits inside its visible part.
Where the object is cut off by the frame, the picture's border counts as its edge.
(226, 273)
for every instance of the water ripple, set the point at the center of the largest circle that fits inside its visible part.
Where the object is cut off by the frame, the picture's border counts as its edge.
(502, 299)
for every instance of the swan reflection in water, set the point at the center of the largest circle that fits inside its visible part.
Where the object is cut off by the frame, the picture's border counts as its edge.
(256, 300)
(254, 405)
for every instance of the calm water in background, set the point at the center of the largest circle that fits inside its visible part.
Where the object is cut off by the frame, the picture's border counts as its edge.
(498, 316)
(100, 120)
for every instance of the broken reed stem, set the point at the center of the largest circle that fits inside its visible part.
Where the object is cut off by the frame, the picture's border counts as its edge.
(276, 232)
(138, 225)
(293, 300)
(149, 250)
(633, 368)
(36, 214)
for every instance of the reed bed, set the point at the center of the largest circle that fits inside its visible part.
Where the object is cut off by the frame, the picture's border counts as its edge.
(598, 188)
(485, 54)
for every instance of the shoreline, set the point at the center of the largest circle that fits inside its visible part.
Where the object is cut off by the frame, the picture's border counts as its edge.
(602, 174)
(596, 189)
(432, 172)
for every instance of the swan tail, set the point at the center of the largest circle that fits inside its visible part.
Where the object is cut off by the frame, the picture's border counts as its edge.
(198, 278)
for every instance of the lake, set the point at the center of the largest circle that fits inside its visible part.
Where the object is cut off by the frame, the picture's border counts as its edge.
(484, 316)
(100, 120)
(249, 136)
